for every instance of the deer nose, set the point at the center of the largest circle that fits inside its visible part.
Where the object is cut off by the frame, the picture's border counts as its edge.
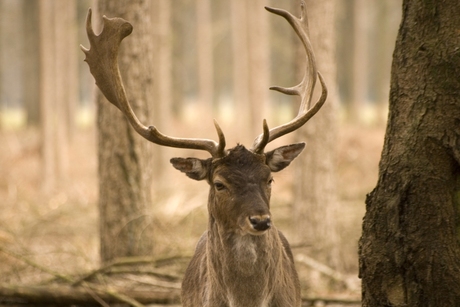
(260, 222)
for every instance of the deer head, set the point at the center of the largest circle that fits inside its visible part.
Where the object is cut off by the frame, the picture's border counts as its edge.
(240, 185)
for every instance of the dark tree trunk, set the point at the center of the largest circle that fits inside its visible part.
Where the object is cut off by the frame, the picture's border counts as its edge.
(409, 249)
(124, 161)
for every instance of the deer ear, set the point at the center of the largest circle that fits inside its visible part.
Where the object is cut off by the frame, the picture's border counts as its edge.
(281, 157)
(194, 168)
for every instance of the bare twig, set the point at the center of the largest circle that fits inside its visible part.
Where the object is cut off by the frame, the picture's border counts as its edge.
(129, 261)
(151, 282)
(124, 298)
(152, 272)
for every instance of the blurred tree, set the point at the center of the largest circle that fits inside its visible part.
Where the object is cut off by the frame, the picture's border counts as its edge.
(31, 62)
(12, 45)
(385, 16)
(185, 79)
(380, 49)
(314, 212)
(345, 58)
(162, 71)
(125, 168)
(67, 65)
(47, 81)
(360, 84)
(259, 64)
(222, 42)
(410, 245)
(251, 65)
(204, 46)
(58, 86)
(240, 66)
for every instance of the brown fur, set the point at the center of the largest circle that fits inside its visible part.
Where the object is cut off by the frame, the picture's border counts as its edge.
(235, 265)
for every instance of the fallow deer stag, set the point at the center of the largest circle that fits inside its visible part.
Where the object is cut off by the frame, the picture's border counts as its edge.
(242, 259)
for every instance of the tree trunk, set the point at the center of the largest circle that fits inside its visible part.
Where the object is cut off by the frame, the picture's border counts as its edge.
(205, 55)
(124, 157)
(47, 94)
(12, 44)
(345, 58)
(58, 87)
(251, 66)
(361, 59)
(409, 249)
(31, 62)
(65, 85)
(67, 68)
(315, 184)
(259, 64)
(240, 66)
(163, 88)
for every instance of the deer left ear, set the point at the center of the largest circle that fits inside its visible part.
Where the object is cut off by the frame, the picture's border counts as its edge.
(281, 157)
(194, 168)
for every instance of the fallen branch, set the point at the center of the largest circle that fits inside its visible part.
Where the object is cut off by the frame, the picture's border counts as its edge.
(89, 292)
(68, 295)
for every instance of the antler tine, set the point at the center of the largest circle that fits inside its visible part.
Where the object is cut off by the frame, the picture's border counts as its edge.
(102, 59)
(304, 89)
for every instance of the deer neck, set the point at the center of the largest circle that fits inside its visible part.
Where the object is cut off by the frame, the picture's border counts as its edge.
(244, 265)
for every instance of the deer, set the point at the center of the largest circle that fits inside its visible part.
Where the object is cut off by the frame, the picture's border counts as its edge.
(242, 259)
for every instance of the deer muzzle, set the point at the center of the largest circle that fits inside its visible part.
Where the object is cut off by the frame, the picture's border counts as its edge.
(260, 222)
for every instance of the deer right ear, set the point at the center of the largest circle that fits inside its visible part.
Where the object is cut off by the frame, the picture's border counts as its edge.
(194, 168)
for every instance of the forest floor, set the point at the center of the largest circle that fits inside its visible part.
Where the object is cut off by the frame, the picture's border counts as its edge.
(52, 236)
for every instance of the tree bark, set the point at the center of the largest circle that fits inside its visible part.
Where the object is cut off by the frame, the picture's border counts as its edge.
(125, 181)
(409, 250)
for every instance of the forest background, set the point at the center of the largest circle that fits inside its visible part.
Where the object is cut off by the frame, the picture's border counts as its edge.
(49, 181)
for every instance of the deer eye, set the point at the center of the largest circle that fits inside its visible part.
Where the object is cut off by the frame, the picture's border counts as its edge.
(270, 181)
(219, 186)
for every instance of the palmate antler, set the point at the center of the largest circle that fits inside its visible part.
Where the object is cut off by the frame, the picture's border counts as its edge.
(304, 89)
(102, 58)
